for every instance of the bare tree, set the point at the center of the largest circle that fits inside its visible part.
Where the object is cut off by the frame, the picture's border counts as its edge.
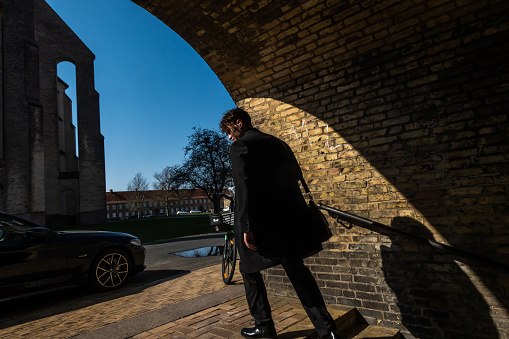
(207, 165)
(168, 183)
(136, 187)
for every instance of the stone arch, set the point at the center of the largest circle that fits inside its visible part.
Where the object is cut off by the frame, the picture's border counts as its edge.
(395, 110)
(67, 131)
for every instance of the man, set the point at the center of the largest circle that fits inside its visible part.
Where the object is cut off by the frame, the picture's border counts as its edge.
(271, 223)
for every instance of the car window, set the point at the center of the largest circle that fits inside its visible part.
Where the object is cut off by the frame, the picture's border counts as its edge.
(11, 229)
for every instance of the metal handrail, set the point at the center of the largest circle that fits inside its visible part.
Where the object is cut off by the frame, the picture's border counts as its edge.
(377, 227)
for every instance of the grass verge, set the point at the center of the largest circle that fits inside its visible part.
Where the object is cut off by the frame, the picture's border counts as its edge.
(156, 228)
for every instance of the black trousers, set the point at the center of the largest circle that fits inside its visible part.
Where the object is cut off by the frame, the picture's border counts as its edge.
(306, 288)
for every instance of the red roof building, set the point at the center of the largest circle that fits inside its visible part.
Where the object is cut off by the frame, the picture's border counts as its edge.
(134, 204)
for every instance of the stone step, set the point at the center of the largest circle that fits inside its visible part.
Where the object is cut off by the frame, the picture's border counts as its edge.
(359, 328)
(350, 324)
(363, 331)
(345, 318)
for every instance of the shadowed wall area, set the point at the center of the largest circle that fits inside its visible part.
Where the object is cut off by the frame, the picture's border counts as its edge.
(398, 112)
(41, 177)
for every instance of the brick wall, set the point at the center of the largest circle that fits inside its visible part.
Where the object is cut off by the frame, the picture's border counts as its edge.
(398, 112)
(34, 40)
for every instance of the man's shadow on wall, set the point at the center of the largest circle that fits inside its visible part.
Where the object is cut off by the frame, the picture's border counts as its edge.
(435, 298)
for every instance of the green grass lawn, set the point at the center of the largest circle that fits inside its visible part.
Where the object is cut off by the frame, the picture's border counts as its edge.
(156, 228)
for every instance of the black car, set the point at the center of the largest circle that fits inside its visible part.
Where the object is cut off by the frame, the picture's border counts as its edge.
(35, 259)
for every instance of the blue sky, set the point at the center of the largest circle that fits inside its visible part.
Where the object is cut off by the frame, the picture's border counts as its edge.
(153, 86)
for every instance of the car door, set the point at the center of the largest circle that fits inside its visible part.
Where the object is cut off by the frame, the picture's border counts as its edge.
(27, 261)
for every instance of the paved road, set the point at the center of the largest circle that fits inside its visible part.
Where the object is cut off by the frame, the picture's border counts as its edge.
(161, 263)
(161, 255)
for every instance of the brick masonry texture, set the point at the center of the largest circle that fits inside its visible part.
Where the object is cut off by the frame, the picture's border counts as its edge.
(33, 181)
(398, 112)
(93, 313)
(226, 321)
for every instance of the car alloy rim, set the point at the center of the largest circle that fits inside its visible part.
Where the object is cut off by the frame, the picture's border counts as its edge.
(112, 270)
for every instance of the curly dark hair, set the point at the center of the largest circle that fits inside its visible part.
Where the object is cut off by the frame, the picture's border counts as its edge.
(231, 116)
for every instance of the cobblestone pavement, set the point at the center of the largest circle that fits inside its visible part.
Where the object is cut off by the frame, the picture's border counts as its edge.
(227, 319)
(126, 305)
(193, 305)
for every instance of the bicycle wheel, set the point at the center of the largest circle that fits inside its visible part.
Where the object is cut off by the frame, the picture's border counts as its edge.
(229, 257)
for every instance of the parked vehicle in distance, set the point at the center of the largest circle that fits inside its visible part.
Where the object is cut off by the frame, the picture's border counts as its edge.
(192, 212)
(34, 259)
(182, 212)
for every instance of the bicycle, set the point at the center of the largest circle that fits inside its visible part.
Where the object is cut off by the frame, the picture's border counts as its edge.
(224, 222)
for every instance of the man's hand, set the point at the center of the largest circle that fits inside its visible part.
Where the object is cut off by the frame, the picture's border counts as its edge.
(249, 241)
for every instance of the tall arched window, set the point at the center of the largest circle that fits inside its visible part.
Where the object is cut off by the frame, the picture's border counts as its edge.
(67, 117)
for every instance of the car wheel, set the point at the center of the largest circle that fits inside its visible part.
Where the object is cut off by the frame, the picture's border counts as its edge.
(110, 269)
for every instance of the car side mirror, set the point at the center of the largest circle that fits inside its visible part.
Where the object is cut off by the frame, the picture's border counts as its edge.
(37, 232)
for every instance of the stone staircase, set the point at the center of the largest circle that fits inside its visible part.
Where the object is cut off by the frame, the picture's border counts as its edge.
(355, 326)
(226, 319)
(350, 323)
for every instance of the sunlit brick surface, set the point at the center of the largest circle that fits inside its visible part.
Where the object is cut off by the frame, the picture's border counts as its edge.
(397, 112)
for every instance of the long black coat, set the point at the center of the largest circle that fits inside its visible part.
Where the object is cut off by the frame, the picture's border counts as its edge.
(269, 202)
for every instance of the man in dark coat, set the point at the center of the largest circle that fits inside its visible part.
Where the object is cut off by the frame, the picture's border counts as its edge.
(271, 223)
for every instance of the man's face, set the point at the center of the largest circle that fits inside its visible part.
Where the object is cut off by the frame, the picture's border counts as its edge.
(235, 131)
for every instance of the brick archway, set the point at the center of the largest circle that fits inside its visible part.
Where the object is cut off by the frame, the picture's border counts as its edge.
(398, 111)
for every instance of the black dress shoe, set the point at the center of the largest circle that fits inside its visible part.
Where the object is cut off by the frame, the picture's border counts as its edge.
(332, 335)
(258, 333)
